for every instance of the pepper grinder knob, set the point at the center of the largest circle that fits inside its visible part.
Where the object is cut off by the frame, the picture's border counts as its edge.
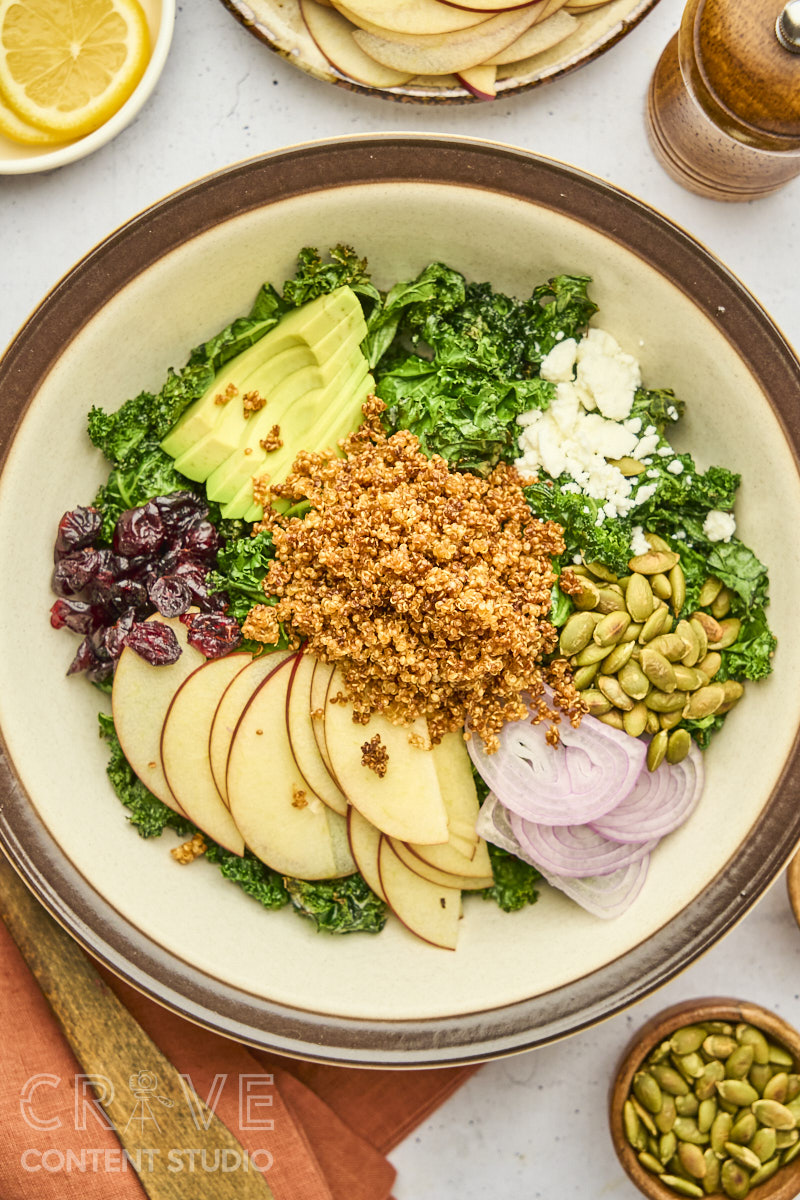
(787, 27)
(723, 110)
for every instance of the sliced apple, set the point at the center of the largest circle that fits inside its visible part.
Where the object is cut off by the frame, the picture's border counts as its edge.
(140, 697)
(365, 842)
(299, 724)
(490, 6)
(439, 54)
(429, 910)
(408, 16)
(184, 748)
(280, 818)
(229, 710)
(480, 80)
(319, 690)
(333, 36)
(538, 38)
(406, 802)
(446, 878)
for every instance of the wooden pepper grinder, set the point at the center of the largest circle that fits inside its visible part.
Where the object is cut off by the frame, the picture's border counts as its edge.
(723, 109)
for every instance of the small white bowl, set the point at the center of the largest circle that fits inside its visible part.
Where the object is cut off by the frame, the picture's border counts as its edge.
(16, 159)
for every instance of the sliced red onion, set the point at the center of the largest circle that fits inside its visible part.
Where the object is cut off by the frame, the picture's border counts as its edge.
(605, 896)
(659, 802)
(592, 769)
(493, 826)
(575, 851)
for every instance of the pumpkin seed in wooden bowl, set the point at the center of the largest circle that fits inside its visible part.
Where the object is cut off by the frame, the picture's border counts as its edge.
(706, 1101)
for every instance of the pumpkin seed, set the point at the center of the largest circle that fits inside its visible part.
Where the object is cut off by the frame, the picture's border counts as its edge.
(669, 720)
(721, 605)
(717, 1045)
(669, 1079)
(779, 1056)
(671, 645)
(651, 1163)
(588, 595)
(601, 572)
(678, 746)
(692, 1159)
(631, 634)
(748, 1035)
(691, 641)
(730, 629)
(765, 1172)
(769, 1112)
(764, 1143)
(677, 582)
(734, 1179)
(686, 1130)
(618, 657)
(760, 1076)
(710, 665)
(793, 1087)
(609, 631)
(720, 1132)
(744, 1128)
(709, 591)
(665, 1118)
(576, 634)
(653, 725)
(634, 681)
(790, 1155)
(705, 701)
(610, 599)
(596, 703)
(785, 1138)
(655, 562)
(656, 751)
(704, 1088)
(666, 701)
(659, 670)
(706, 1114)
(634, 721)
(647, 1091)
(743, 1155)
(702, 639)
(612, 718)
(667, 1146)
(740, 1093)
(711, 627)
(644, 1116)
(639, 598)
(627, 466)
(654, 625)
(584, 676)
(655, 542)
(739, 1062)
(688, 1105)
(711, 1178)
(592, 654)
(776, 1088)
(661, 587)
(683, 1187)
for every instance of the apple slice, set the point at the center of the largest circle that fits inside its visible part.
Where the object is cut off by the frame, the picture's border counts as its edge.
(540, 37)
(480, 80)
(429, 910)
(299, 724)
(184, 748)
(280, 818)
(319, 690)
(333, 36)
(490, 6)
(405, 802)
(408, 16)
(439, 54)
(140, 697)
(365, 842)
(229, 710)
(445, 878)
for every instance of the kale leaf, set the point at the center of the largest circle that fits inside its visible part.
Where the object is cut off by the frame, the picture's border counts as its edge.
(658, 407)
(147, 814)
(252, 875)
(317, 277)
(750, 656)
(241, 567)
(609, 542)
(514, 881)
(338, 905)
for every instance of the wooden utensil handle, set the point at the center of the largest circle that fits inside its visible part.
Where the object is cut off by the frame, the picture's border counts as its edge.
(158, 1118)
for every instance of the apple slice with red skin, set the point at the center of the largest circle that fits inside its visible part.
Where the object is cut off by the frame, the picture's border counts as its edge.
(281, 820)
(299, 726)
(333, 36)
(429, 910)
(538, 38)
(140, 697)
(491, 7)
(435, 875)
(184, 748)
(439, 54)
(404, 802)
(365, 842)
(230, 708)
(319, 691)
(480, 80)
(408, 16)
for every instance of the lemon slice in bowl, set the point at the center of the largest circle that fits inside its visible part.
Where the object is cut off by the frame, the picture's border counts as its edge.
(20, 131)
(66, 66)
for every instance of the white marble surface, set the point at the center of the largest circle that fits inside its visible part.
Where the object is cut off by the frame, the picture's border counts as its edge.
(534, 1125)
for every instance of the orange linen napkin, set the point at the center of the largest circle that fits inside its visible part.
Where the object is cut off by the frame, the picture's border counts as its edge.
(330, 1126)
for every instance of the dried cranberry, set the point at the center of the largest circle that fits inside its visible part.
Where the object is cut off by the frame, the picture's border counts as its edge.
(202, 539)
(127, 594)
(194, 574)
(156, 643)
(77, 615)
(100, 671)
(73, 572)
(171, 595)
(213, 634)
(84, 658)
(139, 530)
(114, 638)
(179, 511)
(76, 530)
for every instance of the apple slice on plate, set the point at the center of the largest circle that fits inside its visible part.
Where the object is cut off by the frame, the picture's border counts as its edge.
(365, 842)
(229, 710)
(140, 697)
(538, 38)
(405, 800)
(435, 875)
(439, 54)
(184, 748)
(429, 910)
(319, 691)
(280, 818)
(333, 36)
(408, 16)
(480, 80)
(492, 7)
(299, 725)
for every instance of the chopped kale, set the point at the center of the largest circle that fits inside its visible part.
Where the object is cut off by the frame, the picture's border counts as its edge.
(514, 881)
(338, 905)
(317, 277)
(147, 814)
(252, 875)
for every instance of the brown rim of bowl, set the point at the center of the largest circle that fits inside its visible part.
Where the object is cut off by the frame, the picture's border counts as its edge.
(260, 182)
(450, 95)
(785, 1185)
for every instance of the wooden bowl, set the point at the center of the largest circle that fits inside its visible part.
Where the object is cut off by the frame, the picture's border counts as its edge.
(793, 885)
(785, 1184)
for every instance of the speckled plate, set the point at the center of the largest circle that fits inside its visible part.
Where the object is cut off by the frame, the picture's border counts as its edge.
(132, 308)
(279, 25)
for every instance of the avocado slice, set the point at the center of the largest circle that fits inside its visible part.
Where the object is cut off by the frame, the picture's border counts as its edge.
(302, 327)
(295, 408)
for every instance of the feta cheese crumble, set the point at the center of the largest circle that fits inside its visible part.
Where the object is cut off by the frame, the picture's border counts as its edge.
(719, 526)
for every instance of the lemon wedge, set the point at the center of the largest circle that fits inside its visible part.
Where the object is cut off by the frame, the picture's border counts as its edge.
(66, 66)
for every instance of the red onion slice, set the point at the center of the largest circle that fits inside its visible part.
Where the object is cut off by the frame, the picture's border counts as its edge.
(592, 769)
(575, 851)
(605, 896)
(659, 803)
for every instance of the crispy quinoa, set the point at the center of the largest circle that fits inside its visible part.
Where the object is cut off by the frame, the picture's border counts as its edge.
(430, 588)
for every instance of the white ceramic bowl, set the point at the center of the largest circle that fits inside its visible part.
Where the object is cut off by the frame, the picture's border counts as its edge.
(16, 159)
(134, 307)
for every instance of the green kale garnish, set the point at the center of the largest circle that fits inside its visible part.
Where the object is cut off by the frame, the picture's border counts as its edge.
(241, 567)
(317, 277)
(608, 543)
(147, 814)
(338, 905)
(252, 875)
(514, 881)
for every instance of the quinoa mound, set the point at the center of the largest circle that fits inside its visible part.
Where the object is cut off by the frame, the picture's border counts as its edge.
(428, 587)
